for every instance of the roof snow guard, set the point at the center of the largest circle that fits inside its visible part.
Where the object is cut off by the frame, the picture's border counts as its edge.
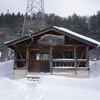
(84, 38)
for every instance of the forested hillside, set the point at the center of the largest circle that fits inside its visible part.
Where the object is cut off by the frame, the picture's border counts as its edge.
(13, 23)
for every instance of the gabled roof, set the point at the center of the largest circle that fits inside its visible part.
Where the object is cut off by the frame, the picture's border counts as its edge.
(79, 36)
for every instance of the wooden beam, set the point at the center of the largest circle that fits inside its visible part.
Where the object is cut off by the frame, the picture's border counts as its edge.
(15, 56)
(75, 57)
(27, 58)
(51, 63)
(66, 40)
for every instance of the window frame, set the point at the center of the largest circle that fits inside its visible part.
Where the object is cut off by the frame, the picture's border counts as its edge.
(40, 55)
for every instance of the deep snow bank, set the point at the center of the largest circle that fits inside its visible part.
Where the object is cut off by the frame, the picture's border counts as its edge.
(6, 69)
(16, 90)
(50, 88)
(89, 83)
(94, 68)
(63, 88)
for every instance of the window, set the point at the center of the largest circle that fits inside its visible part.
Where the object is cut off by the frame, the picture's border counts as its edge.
(68, 54)
(40, 55)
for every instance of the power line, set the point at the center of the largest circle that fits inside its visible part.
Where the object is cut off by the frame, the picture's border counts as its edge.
(93, 4)
(10, 33)
(87, 6)
(97, 2)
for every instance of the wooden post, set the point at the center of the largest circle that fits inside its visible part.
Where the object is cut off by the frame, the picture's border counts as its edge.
(15, 56)
(87, 56)
(27, 58)
(75, 57)
(51, 65)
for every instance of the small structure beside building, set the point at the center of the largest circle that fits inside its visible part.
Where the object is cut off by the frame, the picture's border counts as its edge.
(54, 50)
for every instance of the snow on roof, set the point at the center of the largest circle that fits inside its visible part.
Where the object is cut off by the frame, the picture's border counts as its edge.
(64, 30)
(15, 40)
(78, 35)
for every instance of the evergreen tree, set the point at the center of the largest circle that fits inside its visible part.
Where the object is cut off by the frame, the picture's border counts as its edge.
(2, 19)
(77, 24)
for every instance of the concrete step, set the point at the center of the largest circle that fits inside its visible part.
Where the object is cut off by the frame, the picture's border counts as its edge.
(33, 77)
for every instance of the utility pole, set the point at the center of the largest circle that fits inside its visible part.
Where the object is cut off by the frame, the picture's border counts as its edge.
(34, 18)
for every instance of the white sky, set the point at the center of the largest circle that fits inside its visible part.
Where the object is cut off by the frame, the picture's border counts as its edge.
(62, 8)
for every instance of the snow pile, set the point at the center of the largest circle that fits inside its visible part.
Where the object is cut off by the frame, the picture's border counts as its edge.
(50, 88)
(6, 69)
(62, 88)
(94, 68)
(12, 90)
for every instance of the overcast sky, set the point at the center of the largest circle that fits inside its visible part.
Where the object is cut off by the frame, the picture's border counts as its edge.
(62, 8)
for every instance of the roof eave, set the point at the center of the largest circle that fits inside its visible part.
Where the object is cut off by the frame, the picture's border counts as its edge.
(9, 43)
(12, 42)
(85, 41)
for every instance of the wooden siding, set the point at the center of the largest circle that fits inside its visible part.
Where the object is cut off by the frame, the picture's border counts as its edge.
(78, 50)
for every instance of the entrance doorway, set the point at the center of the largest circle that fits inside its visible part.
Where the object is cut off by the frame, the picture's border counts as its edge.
(39, 61)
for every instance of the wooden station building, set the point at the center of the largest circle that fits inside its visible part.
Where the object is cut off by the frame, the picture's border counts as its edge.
(52, 50)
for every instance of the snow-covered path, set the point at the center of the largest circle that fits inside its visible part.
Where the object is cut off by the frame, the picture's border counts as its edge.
(50, 88)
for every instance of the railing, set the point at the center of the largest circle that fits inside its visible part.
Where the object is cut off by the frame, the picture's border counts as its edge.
(63, 63)
(66, 63)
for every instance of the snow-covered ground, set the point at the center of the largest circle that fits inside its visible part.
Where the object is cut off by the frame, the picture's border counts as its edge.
(6, 69)
(50, 87)
(94, 68)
